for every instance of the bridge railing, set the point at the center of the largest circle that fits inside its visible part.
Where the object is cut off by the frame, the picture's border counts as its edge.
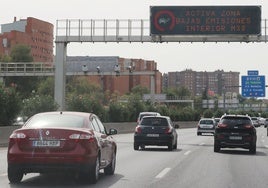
(127, 30)
(98, 27)
(22, 67)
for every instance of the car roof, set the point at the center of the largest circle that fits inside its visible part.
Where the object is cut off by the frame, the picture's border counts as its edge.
(167, 117)
(141, 113)
(84, 114)
(234, 116)
(207, 119)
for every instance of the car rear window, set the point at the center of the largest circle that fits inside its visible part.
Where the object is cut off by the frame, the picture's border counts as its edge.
(52, 120)
(148, 114)
(206, 121)
(153, 121)
(236, 121)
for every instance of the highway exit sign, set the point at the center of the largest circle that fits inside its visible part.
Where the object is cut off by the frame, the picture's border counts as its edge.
(253, 86)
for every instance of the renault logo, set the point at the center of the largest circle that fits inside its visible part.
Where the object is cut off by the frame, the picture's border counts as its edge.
(47, 133)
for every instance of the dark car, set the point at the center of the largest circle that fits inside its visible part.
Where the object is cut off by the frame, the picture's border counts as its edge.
(142, 114)
(206, 125)
(62, 142)
(156, 130)
(266, 123)
(235, 131)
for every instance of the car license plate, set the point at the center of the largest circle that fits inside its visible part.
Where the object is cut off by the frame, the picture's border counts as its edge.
(153, 135)
(45, 143)
(235, 137)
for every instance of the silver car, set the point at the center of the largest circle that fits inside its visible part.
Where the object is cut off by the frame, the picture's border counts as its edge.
(206, 125)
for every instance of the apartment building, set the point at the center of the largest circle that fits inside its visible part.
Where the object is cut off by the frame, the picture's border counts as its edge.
(35, 33)
(214, 83)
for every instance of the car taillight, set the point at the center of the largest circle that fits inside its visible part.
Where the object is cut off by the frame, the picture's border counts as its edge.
(220, 125)
(17, 135)
(248, 126)
(78, 137)
(168, 130)
(16, 138)
(138, 129)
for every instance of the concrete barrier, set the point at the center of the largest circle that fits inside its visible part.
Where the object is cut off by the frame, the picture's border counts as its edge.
(125, 127)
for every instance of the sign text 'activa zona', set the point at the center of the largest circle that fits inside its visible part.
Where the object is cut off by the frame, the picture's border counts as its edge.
(205, 20)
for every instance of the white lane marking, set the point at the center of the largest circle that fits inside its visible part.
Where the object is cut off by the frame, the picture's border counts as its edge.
(187, 152)
(266, 146)
(201, 144)
(163, 173)
(3, 175)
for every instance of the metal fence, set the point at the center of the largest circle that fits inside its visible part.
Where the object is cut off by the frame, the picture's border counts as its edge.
(134, 30)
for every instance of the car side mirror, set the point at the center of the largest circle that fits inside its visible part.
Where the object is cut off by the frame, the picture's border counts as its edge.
(176, 126)
(112, 131)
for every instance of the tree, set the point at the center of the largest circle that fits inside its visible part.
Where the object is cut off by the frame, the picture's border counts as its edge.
(21, 53)
(24, 85)
(36, 104)
(86, 97)
(10, 105)
(140, 90)
(46, 87)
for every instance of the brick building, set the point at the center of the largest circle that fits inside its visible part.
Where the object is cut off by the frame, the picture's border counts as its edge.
(215, 83)
(35, 33)
(116, 83)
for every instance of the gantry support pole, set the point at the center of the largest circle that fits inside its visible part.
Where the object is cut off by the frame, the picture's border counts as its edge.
(60, 74)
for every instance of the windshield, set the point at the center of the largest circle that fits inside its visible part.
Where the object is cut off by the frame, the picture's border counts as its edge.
(56, 120)
(154, 121)
(236, 121)
(207, 122)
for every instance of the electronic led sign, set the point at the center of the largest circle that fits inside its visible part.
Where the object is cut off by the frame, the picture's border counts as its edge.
(205, 20)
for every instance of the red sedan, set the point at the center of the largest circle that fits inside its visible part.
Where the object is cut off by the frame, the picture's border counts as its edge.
(62, 141)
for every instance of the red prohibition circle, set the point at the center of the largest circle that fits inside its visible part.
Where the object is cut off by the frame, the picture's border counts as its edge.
(158, 14)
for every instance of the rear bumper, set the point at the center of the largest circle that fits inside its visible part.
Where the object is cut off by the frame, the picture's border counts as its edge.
(245, 143)
(203, 130)
(162, 140)
(45, 163)
(49, 168)
(226, 144)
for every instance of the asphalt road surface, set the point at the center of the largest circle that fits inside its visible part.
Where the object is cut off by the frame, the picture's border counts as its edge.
(192, 165)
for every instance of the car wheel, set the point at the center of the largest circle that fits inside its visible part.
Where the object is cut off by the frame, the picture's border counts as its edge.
(217, 147)
(175, 145)
(14, 175)
(109, 170)
(252, 149)
(170, 146)
(136, 146)
(94, 171)
(198, 134)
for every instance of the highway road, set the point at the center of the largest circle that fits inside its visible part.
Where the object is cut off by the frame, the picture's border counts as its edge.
(192, 165)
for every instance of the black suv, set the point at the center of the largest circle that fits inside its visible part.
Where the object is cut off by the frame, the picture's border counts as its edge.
(235, 131)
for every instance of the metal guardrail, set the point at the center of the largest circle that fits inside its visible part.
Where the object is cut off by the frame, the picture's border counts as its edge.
(22, 68)
(133, 30)
(45, 69)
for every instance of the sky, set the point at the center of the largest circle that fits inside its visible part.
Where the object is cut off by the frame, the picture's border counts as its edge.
(170, 57)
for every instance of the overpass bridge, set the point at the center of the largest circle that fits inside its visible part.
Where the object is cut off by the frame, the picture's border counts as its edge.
(123, 30)
(135, 30)
(112, 30)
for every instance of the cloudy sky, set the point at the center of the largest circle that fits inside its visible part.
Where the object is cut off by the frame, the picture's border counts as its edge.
(169, 56)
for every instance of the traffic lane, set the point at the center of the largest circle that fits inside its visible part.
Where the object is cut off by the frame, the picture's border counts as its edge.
(141, 168)
(230, 168)
(156, 167)
(133, 169)
(3, 159)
